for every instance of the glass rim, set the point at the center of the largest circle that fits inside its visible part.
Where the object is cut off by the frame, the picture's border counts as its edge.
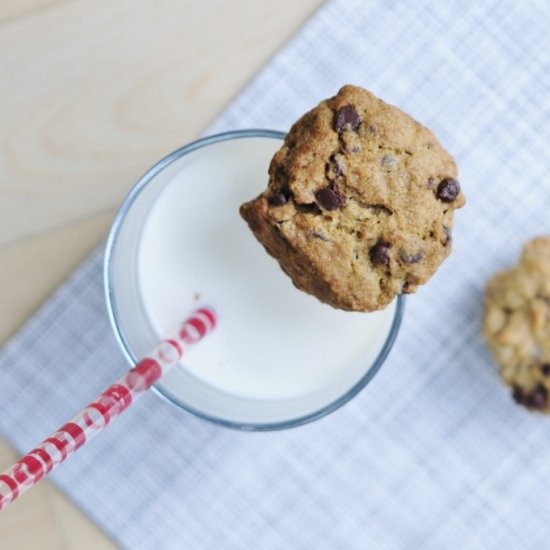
(112, 309)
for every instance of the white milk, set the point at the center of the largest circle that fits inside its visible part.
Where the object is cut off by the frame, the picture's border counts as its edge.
(273, 342)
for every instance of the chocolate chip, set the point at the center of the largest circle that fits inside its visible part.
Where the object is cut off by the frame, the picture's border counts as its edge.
(329, 197)
(277, 200)
(311, 208)
(448, 190)
(346, 118)
(537, 397)
(372, 130)
(411, 258)
(533, 399)
(379, 253)
(280, 198)
(545, 369)
(517, 395)
(448, 236)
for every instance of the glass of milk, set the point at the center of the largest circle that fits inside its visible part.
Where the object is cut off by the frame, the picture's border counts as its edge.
(278, 357)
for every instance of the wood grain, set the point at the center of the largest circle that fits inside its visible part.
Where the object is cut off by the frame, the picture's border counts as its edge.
(91, 102)
(93, 92)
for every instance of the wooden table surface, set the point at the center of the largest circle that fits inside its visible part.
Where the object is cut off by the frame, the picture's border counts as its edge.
(93, 92)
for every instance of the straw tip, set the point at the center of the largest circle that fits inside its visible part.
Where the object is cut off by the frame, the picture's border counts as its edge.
(208, 314)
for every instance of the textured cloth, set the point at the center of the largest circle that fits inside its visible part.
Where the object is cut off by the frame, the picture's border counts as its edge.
(433, 454)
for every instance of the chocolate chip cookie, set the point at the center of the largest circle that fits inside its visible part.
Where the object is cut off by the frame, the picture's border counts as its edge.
(516, 325)
(359, 205)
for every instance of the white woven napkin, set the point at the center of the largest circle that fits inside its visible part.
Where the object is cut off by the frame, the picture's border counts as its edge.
(433, 454)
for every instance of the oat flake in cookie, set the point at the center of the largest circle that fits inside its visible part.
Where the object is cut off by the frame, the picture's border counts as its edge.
(516, 325)
(359, 205)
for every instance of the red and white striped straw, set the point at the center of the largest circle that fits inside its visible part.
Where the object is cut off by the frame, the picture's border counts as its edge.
(30, 469)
